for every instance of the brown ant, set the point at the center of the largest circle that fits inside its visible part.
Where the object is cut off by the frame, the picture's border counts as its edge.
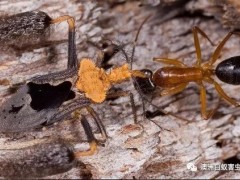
(125, 72)
(174, 78)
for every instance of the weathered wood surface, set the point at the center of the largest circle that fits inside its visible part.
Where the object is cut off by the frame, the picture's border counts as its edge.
(143, 150)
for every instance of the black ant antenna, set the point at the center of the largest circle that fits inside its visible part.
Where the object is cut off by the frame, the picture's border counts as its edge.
(108, 50)
(138, 88)
(136, 38)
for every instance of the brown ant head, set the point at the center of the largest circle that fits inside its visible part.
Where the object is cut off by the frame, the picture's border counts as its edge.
(145, 85)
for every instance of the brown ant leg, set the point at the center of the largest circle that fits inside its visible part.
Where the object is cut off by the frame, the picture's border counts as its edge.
(72, 56)
(195, 31)
(177, 63)
(124, 94)
(98, 122)
(173, 90)
(222, 93)
(173, 62)
(91, 139)
(203, 99)
(219, 48)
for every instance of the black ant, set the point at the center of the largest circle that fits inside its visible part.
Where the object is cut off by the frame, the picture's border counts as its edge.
(108, 49)
(46, 99)
(174, 78)
(39, 87)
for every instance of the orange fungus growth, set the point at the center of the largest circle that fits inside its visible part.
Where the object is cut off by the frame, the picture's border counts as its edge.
(119, 74)
(95, 82)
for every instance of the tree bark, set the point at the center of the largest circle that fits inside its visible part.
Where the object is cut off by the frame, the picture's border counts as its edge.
(164, 146)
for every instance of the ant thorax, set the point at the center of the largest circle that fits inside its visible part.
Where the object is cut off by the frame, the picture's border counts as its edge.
(95, 82)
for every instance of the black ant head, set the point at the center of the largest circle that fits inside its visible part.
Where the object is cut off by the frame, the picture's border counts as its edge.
(145, 85)
(109, 49)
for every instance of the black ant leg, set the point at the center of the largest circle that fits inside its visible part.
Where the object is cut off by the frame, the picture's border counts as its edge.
(135, 40)
(74, 106)
(54, 78)
(72, 56)
(136, 85)
(134, 109)
(66, 109)
(124, 94)
(91, 139)
(98, 122)
(108, 49)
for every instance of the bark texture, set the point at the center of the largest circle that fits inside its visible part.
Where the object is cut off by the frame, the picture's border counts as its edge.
(142, 150)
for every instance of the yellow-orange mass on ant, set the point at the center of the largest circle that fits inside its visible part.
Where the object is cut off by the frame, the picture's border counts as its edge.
(95, 82)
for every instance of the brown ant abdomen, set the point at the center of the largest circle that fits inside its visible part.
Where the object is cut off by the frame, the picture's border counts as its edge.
(171, 76)
(228, 70)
